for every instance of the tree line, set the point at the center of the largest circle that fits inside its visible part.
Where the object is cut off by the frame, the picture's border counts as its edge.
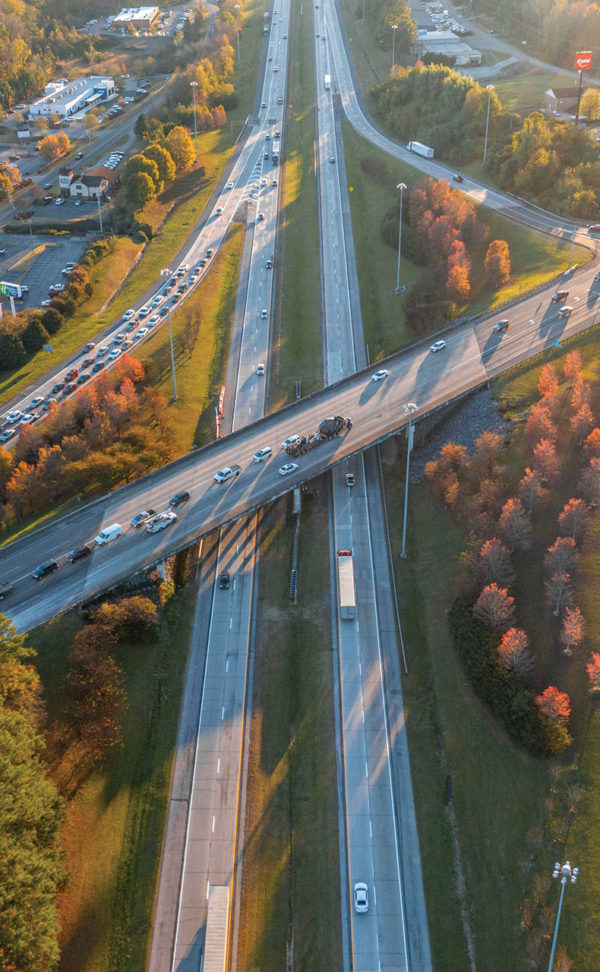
(526, 534)
(442, 232)
(545, 159)
(111, 431)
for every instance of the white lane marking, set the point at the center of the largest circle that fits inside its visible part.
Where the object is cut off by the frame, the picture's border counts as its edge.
(207, 889)
(370, 827)
(218, 765)
(222, 713)
(366, 768)
(227, 662)
(230, 624)
(213, 823)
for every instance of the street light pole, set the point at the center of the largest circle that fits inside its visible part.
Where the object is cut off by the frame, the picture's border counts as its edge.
(237, 14)
(490, 88)
(401, 186)
(167, 273)
(193, 86)
(565, 871)
(410, 407)
(394, 29)
(100, 213)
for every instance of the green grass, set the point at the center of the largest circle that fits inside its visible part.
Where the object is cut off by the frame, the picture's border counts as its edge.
(515, 815)
(201, 330)
(297, 335)
(497, 791)
(371, 62)
(290, 888)
(116, 817)
(534, 256)
(523, 90)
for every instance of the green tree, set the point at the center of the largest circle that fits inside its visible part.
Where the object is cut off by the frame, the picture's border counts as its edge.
(141, 163)
(34, 335)
(180, 147)
(40, 124)
(139, 189)
(163, 160)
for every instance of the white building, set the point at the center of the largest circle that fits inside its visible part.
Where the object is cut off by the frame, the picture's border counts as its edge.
(142, 18)
(64, 98)
(446, 42)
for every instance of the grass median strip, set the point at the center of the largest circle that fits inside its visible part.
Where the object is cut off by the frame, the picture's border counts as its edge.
(290, 892)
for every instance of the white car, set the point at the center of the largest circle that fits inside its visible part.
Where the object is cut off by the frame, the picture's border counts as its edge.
(438, 346)
(15, 416)
(290, 441)
(157, 299)
(380, 375)
(264, 314)
(260, 369)
(128, 314)
(59, 202)
(361, 897)
(153, 320)
(161, 521)
(219, 210)
(262, 454)
(287, 468)
(141, 333)
(229, 185)
(38, 400)
(227, 473)
(114, 354)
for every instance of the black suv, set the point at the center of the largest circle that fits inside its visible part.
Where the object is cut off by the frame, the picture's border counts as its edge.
(44, 569)
(180, 498)
(79, 554)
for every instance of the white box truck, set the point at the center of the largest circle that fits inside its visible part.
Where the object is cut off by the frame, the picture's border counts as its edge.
(347, 594)
(327, 82)
(419, 149)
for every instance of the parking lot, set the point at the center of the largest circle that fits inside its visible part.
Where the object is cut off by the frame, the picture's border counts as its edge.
(45, 268)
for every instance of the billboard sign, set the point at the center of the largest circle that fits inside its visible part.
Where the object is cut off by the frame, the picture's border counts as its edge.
(583, 60)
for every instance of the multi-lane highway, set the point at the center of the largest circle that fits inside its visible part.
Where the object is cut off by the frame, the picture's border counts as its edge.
(473, 354)
(199, 851)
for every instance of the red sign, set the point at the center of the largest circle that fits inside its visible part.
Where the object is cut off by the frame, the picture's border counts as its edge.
(583, 60)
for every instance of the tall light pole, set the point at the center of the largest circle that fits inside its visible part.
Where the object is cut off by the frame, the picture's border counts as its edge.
(100, 212)
(193, 86)
(563, 871)
(410, 407)
(401, 186)
(394, 29)
(167, 273)
(490, 88)
(237, 33)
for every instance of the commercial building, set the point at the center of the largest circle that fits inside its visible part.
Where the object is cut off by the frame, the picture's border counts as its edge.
(89, 185)
(65, 98)
(561, 99)
(446, 42)
(142, 18)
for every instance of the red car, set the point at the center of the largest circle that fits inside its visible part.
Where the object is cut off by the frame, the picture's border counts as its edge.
(71, 375)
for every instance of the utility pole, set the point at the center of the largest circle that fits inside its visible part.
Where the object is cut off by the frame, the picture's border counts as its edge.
(193, 86)
(100, 212)
(490, 88)
(564, 871)
(401, 186)
(410, 407)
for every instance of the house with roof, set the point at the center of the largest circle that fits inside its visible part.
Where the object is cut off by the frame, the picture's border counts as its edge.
(561, 99)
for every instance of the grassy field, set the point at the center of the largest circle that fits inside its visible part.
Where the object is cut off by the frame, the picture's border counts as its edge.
(297, 337)
(115, 817)
(290, 888)
(201, 330)
(514, 815)
(372, 64)
(535, 257)
(523, 90)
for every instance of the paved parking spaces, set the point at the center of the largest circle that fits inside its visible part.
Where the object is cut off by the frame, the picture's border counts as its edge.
(46, 267)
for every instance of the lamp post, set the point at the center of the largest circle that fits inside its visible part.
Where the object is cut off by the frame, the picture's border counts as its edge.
(401, 186)
(410, 407)
(394, 29)
(100, 213)
(563, 871)
(167, 273)
(490, 88)
(237, 34)
(193, 86)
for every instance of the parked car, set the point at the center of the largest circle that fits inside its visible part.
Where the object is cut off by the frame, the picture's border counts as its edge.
(43, 570)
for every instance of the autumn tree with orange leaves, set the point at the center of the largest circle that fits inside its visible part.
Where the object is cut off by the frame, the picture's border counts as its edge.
(555, 705)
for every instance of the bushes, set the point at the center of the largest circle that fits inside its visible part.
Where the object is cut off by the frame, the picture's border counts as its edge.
(509, 700)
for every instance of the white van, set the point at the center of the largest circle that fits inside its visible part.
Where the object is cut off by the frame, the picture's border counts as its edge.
(109, 533)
